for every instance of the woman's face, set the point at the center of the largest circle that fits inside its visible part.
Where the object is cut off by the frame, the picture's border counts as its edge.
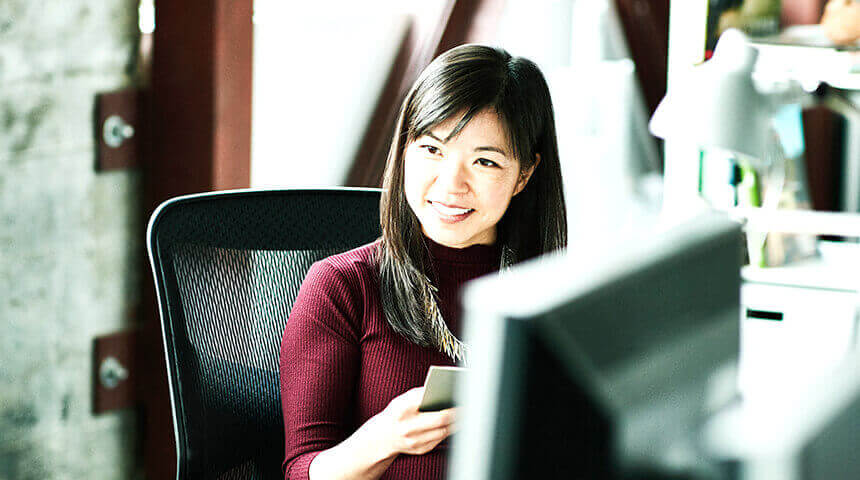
(460, 189)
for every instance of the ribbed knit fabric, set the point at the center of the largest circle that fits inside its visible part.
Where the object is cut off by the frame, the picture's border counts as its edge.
(341, 363)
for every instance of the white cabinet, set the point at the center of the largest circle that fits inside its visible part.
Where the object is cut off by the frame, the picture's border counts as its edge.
(792, 333)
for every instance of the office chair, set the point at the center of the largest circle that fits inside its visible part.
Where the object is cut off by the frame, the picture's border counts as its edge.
(227, 268)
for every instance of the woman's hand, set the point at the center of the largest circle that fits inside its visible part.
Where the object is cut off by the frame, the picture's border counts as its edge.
(401, 428)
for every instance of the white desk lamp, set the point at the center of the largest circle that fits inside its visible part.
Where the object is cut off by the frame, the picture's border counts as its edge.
(716, 104)
(725, 104)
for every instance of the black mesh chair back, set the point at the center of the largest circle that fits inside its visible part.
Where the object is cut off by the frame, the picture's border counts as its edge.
(227, 268)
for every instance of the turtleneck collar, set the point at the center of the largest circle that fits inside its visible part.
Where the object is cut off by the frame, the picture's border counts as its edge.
(475, 254)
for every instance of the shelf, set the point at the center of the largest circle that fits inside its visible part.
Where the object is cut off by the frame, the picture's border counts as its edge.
(805, 54)
(835, 268)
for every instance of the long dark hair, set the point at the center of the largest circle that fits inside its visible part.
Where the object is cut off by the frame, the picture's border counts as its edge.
(469, 78)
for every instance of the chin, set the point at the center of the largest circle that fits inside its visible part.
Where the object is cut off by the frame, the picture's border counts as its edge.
(446, 238)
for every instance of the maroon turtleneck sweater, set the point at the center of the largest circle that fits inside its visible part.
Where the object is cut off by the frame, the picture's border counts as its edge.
(341, 363)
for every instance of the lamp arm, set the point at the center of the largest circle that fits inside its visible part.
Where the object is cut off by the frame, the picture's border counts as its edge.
(784, 92)
(835, 99)
(787, 92)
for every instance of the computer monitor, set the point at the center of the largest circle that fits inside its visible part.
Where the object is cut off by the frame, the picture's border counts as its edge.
(589, 364)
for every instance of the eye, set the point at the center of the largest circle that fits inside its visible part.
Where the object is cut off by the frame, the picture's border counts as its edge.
(430, 149)
(486, 163)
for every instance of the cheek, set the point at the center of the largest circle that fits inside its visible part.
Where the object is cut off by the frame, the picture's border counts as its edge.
(413, 182)
(497, 196)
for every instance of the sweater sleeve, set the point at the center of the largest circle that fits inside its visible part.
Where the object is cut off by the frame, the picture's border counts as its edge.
(318, 366)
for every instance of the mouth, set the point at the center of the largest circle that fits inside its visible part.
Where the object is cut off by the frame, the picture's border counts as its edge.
(450, 213)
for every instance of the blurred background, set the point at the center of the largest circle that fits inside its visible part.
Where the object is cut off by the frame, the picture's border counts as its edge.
(109, 107)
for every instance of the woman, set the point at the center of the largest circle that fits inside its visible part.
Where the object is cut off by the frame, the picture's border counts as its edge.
(472, 184)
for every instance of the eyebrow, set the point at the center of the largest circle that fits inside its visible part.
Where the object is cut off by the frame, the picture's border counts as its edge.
(484, 148)
(489, 148)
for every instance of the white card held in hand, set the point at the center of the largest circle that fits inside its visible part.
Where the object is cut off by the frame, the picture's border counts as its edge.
(439, 388)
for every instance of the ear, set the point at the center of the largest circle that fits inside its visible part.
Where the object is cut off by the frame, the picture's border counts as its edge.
(525, 176)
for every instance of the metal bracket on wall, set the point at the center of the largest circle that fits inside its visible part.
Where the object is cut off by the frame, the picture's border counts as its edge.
(118, 129)
(114, 377)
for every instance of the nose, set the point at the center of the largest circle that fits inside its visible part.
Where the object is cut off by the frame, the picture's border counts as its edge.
(453, 177)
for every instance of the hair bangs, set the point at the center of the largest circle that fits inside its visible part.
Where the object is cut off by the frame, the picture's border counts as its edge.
(470, 92)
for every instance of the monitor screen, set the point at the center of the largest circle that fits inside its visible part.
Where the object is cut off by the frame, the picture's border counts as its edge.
(589, 364)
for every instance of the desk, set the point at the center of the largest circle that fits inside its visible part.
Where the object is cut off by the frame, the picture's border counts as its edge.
(817, 300)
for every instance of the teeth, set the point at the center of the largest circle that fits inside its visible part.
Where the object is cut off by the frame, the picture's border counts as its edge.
(450, 210)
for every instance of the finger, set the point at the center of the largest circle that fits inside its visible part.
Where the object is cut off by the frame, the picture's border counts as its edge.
(432, 420)
(426, 441)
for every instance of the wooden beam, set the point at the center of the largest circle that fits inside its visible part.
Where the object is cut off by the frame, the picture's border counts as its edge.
(459, 22)
(470, 21)
(201, 97)
(200, 124)
(366, 170)
(646, 27)
(233, 87)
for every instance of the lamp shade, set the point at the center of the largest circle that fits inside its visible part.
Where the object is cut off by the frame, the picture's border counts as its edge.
(716, 104)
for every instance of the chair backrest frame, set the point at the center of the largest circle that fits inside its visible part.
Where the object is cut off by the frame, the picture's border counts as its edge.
(236, 227)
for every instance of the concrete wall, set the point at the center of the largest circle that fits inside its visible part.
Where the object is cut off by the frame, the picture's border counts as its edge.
(70, 238)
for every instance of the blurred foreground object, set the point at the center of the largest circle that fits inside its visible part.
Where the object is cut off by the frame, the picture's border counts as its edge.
(800, 431)
(841, 21)
(606, 373)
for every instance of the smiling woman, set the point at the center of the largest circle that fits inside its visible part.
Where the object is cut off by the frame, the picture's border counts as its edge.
(473, 130)
(472, 184)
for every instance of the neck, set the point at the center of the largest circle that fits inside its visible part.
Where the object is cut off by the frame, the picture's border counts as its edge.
(473, 254)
